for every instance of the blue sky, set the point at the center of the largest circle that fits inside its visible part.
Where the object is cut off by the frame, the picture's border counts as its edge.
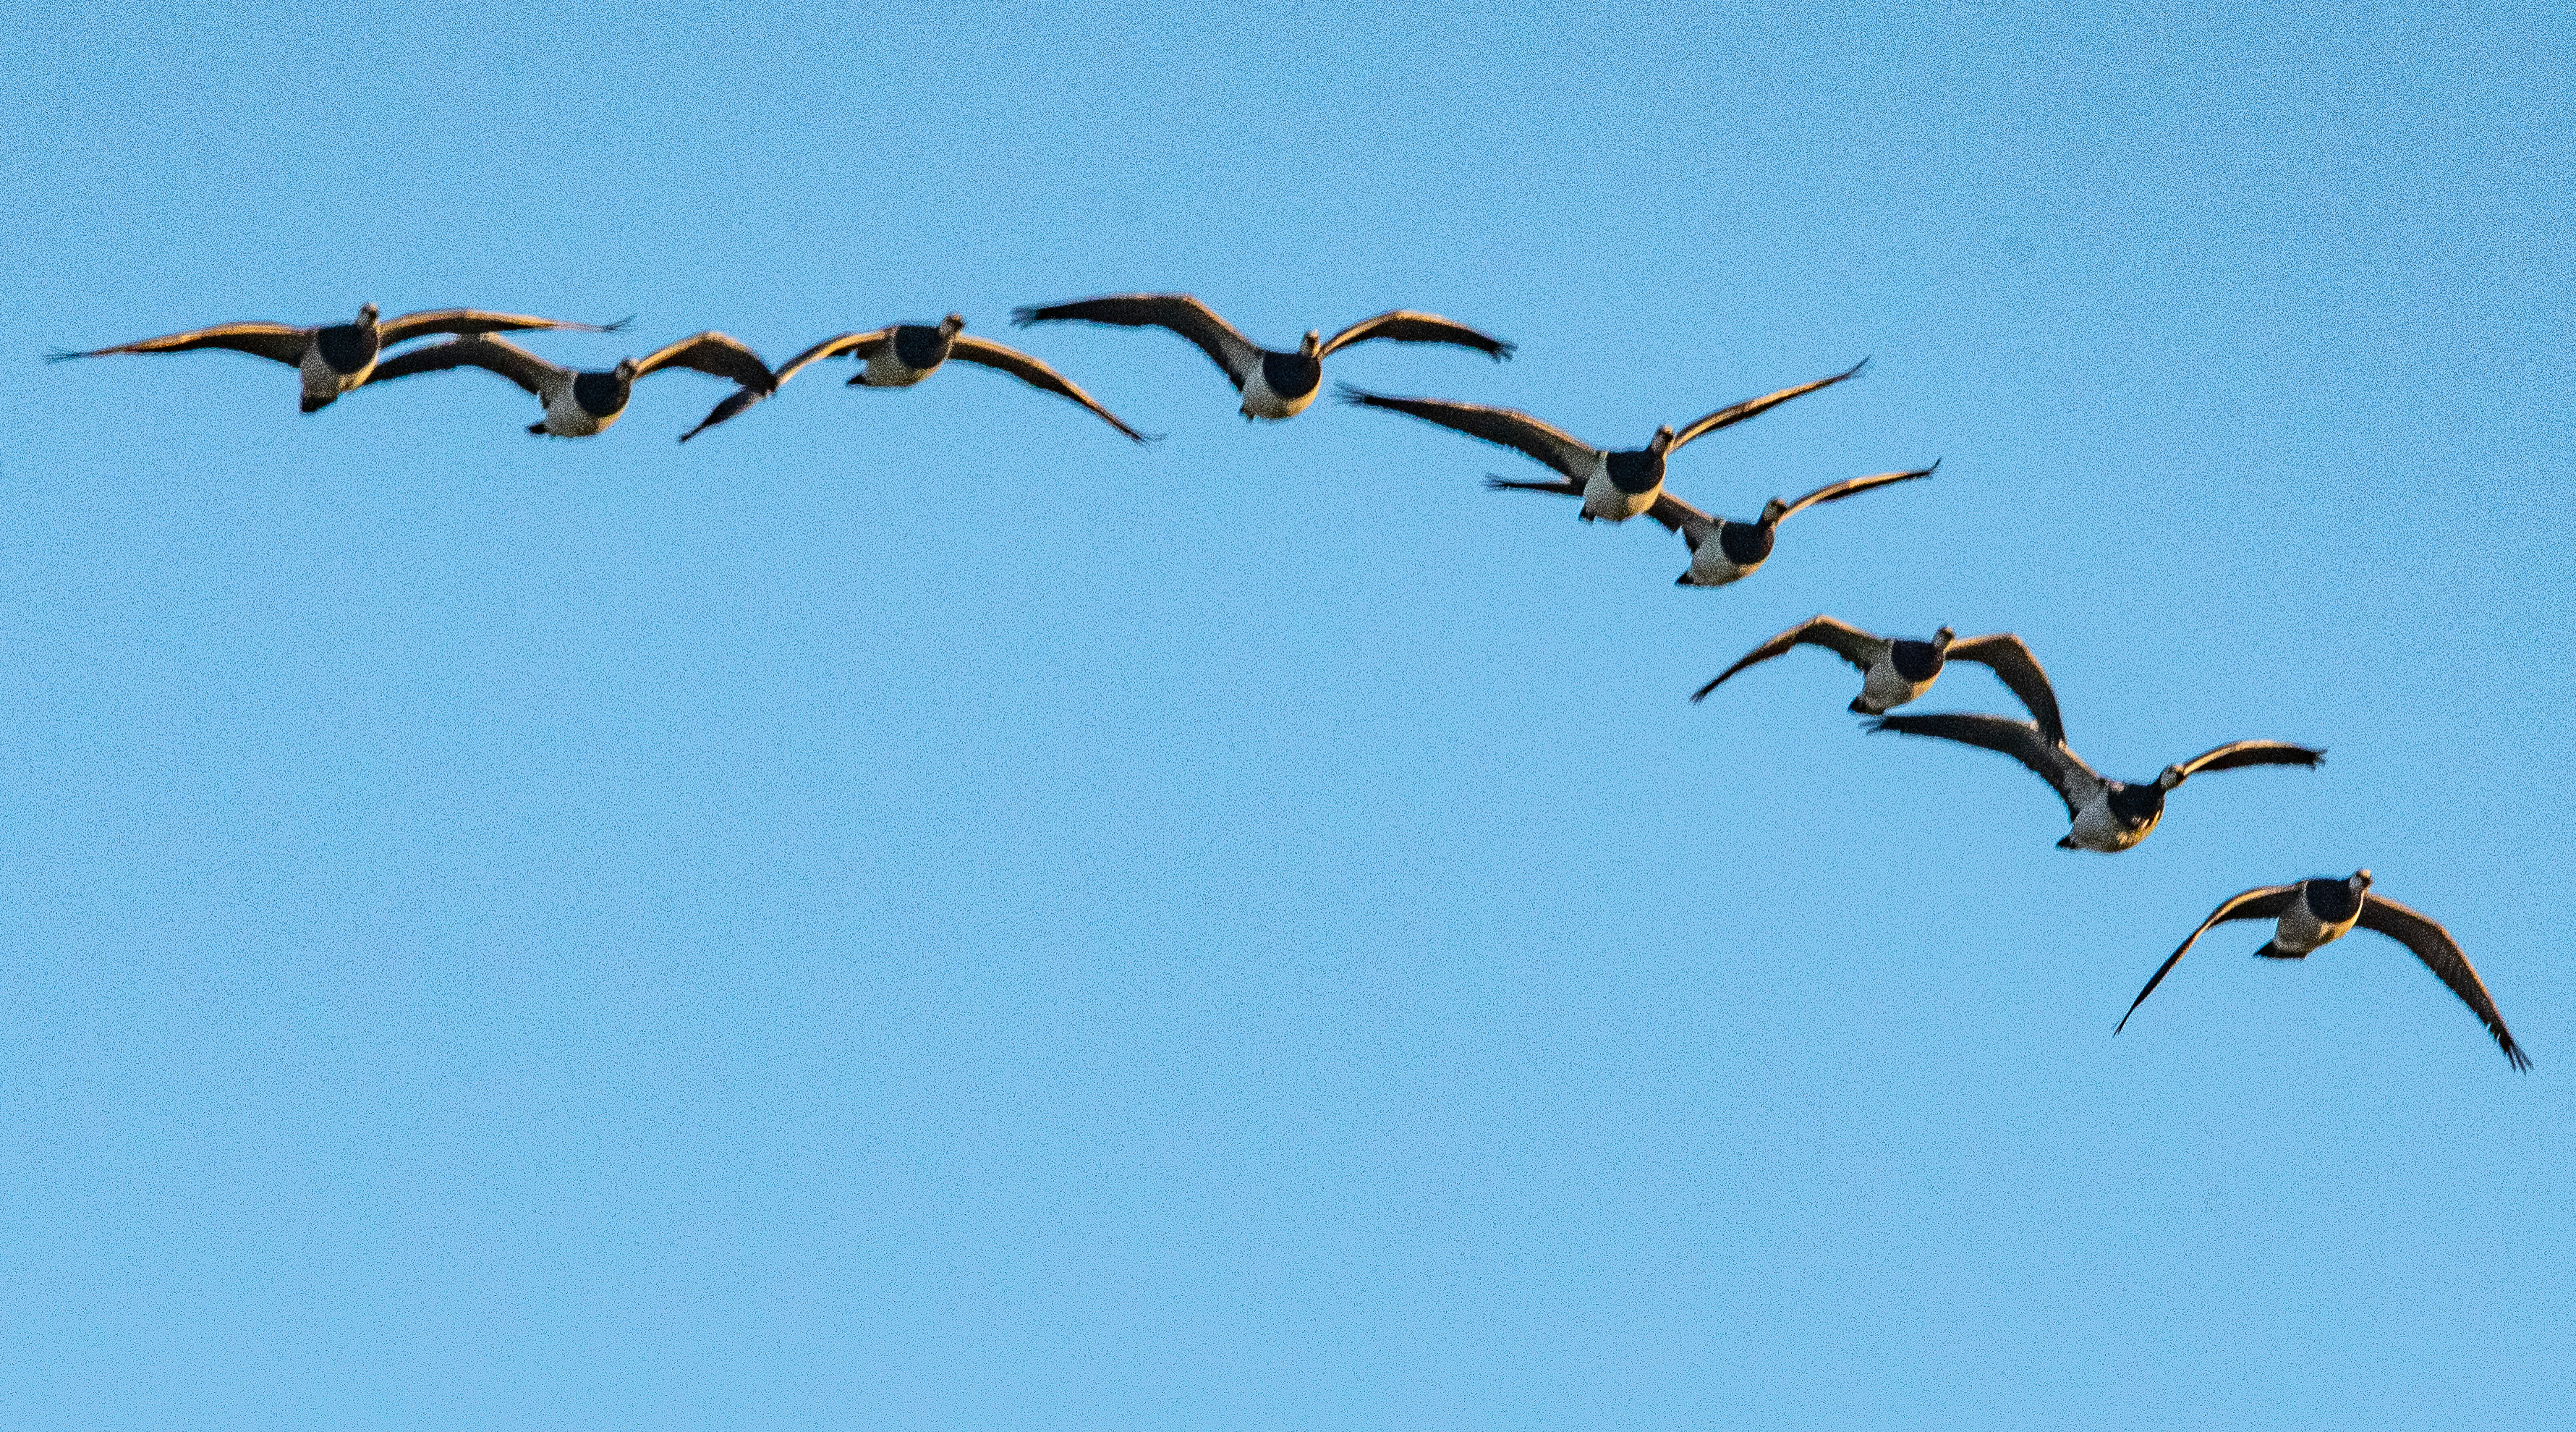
(909, 912)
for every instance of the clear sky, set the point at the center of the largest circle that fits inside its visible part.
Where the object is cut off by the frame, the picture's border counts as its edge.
(910, 912)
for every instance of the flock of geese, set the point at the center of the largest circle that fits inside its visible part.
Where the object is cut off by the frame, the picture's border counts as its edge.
(1613, 485)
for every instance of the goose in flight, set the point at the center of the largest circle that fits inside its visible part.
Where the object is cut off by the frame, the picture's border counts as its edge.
(1724, 550)
(335, 358)
(2107, 815)
(1896, 670)
(903, 355)
(2315, 913)
(1614, 486)
(579, 404)
(1274, 384)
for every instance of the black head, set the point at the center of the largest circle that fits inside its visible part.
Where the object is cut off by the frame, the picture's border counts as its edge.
(366, 315)
(1312, 345)
(953, 325)
(1773, 511)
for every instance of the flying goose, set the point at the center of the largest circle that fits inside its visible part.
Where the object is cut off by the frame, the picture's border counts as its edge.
(2108, 815)
(903, 355)
(579, 404)
(1896, 670)
(1273, 384)
(1614, 486)
(1724, 550)
(337, 357)
(2316, 913)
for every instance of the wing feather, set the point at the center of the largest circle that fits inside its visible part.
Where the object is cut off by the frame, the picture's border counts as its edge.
(1851, 486)
(2012, 663)
(2443, 956)
(1755, 407)
(713, 354)
(1403, 325)
(2252, 753)
(278, 342)
(493, 355)
(2264, 903)
(741, 398)
(2021, 740)
(1234, 355)
(1507, 427)
(1844, 640)
(1037, 375)
(476, 320)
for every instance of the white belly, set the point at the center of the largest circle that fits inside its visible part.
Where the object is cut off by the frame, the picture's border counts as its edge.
(2096, 828)
(1883, 689)
(2301, 931)
(1710, 566)
(1603, 501)
(884, 370)
(1260, 402)
(566, 418)
(322, 382)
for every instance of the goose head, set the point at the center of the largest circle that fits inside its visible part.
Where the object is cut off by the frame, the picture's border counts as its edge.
(366, 316)
(1662, 441)
(952, 325)
(1312, 345)
(1941, 640)
(2171, 777)
(2359, 882)
(627, 369)
(1773, 511)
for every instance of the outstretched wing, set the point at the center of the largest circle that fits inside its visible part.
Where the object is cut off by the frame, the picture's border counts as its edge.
(2252, 753)
(1403, 325)
(1837, 491)
(1679, 516)
(1844, 640)
(2442, 955)
(1754, 407)
(744, 397)
(475, 320)
(2265, 903)
(2020, 740)
(715, 355)
(1036, 374)
(2011, 661)
(493, 355)
(1508, 427)
(1233, 354)
(278, 342)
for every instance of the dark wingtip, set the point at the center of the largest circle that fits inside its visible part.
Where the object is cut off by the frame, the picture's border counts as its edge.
(1702, 693)
(2513, 1052)
(619, 326)
(1854, 370)
(1503, 349)
(1023, 317)
(61, 354)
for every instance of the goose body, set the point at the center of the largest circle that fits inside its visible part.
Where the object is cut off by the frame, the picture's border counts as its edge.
(2103, 815)
(1275, 384)
(581, 403)
(1723, 550)
(904, 354)
(1898, 670)
(2310, 914)
(1614, 484)
(335, 358)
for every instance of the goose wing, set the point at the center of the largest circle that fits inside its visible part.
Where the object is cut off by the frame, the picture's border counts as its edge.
(1233, 354)
(2049, 760)
(475, 320)
(1850, 486)
(2251, 753)
(1679, 516)
(1844, 640)
(1036, 374)
(2265, 903)
(2004, 654)
(713, 354)
(743, 397)
(494, 355)
(1509, 427)
(1754, 407)
(1403, 325)
(278, 342)
(2442, 955)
